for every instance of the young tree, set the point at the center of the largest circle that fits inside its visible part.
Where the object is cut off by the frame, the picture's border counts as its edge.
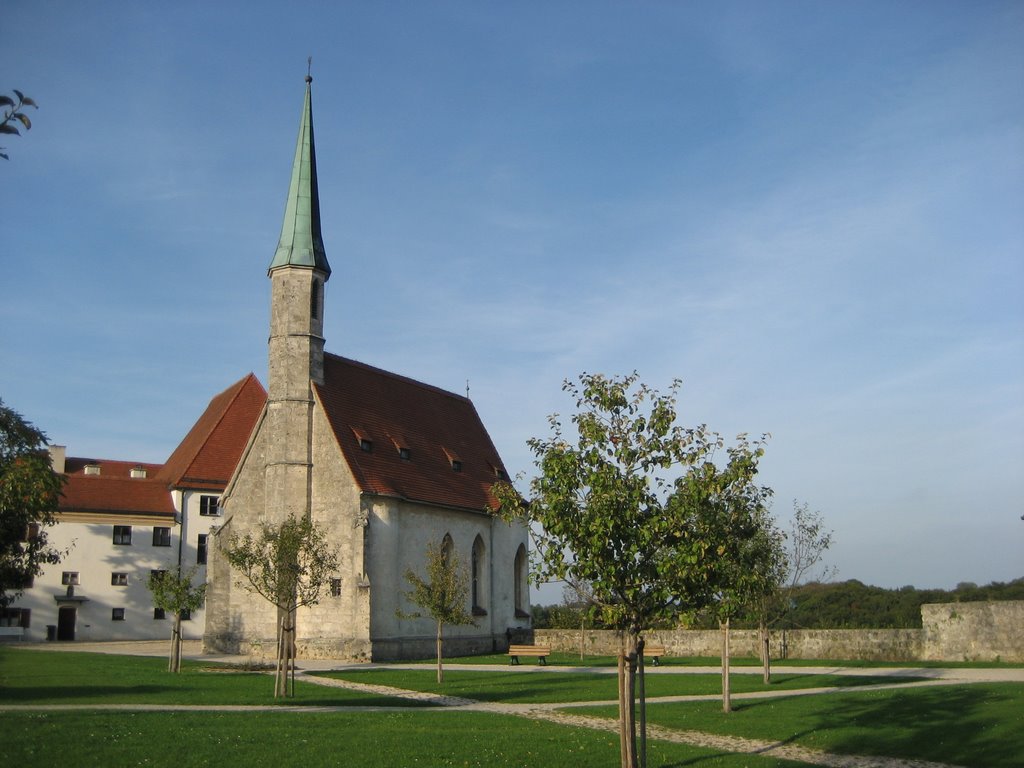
(617, 506)
(14, 112)
(174, 592)
(806, 543)
(29, 492)
(289, 565)
(747, 570)
(442, 594)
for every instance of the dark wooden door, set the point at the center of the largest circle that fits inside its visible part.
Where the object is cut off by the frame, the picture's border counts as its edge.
(66, 618)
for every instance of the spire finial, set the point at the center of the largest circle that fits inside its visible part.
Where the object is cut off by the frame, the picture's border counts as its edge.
(309, 67)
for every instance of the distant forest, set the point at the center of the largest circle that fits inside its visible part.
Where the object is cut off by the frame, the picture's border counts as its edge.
(834, 605)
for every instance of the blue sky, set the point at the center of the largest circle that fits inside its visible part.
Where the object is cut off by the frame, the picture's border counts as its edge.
(810, 212)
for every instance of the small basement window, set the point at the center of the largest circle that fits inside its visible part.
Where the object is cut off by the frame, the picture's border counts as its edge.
(117, 614)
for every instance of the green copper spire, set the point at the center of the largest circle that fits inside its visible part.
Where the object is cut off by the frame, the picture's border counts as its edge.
(301, 243)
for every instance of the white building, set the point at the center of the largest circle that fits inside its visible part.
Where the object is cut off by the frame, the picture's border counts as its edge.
(120, 520)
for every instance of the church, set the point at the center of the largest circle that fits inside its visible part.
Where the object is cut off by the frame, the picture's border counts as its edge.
(385, 465)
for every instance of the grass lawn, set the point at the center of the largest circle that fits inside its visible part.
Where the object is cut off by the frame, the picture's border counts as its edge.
(551, 686)
(975, 725)
(562, 659)
(355, 740)
(40, 677)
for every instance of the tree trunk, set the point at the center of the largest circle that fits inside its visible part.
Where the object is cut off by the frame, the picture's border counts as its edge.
(623, 756)
(174, 663)
(280, 688)
(726, 693)
(641, 686)
(766, 654)
(627, 701)
(583, 624)
(440, 668)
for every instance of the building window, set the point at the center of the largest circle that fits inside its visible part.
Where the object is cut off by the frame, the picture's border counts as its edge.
(456, 465)
(201, 549)
(122, 534)
(69, 578)
(117, 614)
(519, 575)
(161, 537)
(15, 617)
(158, 613)
(185, 614)
(335, 587)
(366, 445)
(208, 506)
(404, 454)
(119, 579)
(478, 576)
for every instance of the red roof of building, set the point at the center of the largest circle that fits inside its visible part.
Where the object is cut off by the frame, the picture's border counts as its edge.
(426, 444)
(114, 489)
(207, 456)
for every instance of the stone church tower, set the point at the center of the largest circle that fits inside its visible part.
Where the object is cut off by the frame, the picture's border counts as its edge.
(297, 276)
(384, 464)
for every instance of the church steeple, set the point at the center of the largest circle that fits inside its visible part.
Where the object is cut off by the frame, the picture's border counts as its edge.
(301, 244)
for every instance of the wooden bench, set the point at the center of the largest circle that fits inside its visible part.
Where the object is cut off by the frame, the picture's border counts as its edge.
(540, 651)
(654, 652)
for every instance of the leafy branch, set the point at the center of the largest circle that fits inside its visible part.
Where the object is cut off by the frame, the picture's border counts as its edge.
(13, 114)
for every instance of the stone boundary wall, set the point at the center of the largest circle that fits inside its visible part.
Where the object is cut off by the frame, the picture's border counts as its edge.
(974, 631)
(952, 632)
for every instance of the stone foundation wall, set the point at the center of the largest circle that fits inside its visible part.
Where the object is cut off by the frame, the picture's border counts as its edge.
(952, 632)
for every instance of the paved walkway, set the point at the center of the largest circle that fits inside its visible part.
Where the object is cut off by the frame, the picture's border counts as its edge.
(550, 711)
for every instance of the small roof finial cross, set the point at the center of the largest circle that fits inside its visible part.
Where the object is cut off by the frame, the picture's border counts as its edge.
(309, 67)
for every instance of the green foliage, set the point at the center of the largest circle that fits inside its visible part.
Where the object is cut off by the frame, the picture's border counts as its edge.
(854, 605)
(174, 592)
(14, 113)
(29, 492)
(288, 565)
(442, 594)
(635, 507)
(444, 591)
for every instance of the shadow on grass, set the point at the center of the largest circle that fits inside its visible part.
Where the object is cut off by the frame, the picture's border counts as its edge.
(965, 725)
(80, 693)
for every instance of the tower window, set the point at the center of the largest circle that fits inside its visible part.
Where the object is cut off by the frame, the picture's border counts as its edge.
(335, 587)
(316, 291)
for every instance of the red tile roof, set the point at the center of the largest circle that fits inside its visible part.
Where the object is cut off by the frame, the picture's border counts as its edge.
(207, 456)
(435, 427)
(113, 489)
